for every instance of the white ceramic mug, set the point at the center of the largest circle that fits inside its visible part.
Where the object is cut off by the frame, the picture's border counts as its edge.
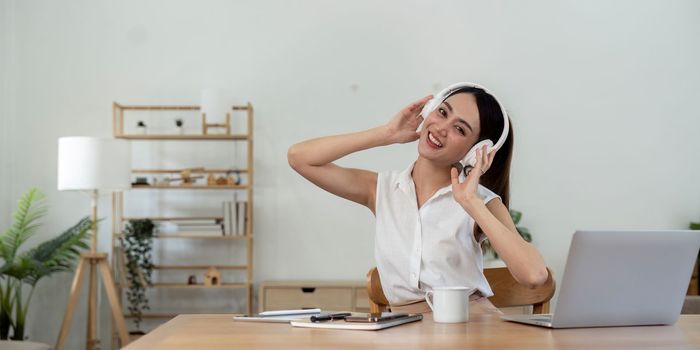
(449, 304)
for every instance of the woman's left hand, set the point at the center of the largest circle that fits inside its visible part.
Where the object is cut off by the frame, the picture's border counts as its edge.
(465, 193)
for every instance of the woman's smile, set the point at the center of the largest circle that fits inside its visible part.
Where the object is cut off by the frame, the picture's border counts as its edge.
(433, 141)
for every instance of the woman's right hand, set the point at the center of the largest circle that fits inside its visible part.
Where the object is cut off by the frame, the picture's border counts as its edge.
(402, 128)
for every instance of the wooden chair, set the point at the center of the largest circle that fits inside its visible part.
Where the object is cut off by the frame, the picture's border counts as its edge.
(507, 292)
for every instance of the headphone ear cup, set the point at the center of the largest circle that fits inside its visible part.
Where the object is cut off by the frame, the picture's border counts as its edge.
(470, 158)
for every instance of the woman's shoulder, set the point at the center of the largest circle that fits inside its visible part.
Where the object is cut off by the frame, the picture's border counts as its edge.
(395, 177)
(486, 194)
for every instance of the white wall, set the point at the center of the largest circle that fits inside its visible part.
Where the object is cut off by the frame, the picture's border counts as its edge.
(601, 94)
(6, 82)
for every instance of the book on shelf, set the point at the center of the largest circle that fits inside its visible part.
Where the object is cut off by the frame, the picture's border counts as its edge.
(241, 218)
(235, 218)
(207, 227)
(226, 207)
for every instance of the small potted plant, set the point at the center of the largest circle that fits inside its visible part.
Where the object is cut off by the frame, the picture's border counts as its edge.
(141, 125)
(137, 242)
(179, 124)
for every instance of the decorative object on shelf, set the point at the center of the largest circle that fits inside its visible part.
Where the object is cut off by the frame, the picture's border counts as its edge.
(215, 111)
(523, 231)
(179, 124)
(186, 176)
(211, 180)
(137, 243)
(222, 181)
(162, 181)
(93, 164)
(212, 277)
(30, 266)
(192, 279)
(140, 181)
(190, 177)
(234, 177)
(142, 127)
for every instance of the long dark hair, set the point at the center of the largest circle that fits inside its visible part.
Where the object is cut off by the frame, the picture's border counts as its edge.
(497, 178)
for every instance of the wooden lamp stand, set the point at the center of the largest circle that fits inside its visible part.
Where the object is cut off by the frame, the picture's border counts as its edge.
(95, 261)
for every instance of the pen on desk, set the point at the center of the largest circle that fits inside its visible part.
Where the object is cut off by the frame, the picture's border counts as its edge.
(329, 317)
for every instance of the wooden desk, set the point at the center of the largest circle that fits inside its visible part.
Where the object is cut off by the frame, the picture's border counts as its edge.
(213, 332)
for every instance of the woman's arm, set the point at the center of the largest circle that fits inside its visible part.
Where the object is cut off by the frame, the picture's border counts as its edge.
(313, 159)
(522, 259)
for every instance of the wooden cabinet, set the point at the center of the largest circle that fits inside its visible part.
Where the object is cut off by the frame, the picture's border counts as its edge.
(337, 296)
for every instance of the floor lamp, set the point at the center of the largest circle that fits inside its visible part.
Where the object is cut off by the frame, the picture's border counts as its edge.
(93, 165)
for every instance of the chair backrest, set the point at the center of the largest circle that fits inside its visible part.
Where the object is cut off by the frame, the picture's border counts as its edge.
(507, 292)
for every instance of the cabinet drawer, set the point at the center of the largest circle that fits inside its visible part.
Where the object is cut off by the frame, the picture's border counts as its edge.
(329, 298)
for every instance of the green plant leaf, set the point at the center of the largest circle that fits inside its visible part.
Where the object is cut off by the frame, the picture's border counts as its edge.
(30, 209)
(522, 230)
(58, 254)
(516, 216)
(694, 226)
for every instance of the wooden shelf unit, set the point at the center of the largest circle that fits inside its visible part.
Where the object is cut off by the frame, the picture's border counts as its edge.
(118, 203)
(199, 267)
(174, 171)
(185, 235)
(189, 187)
(192, 137)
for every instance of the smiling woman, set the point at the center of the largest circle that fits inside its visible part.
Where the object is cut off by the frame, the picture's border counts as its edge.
(432, 217)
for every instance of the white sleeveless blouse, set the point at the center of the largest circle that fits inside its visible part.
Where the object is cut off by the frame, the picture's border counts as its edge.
(419, 249)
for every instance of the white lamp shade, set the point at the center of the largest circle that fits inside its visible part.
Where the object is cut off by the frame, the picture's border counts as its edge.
(215, 104)
(93, 163)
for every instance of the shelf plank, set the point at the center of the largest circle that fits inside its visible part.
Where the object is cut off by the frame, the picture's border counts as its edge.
(159, 108)
(169, 108)
(173, 218)
(200, 267)
(184, 235)
(189, 187)
(199, 286)
(177, 171)
(176, 137)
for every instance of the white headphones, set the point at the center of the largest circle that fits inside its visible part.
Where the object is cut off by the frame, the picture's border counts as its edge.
(470, 159)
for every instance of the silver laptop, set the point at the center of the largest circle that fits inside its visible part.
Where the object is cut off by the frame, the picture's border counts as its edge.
(622, 278)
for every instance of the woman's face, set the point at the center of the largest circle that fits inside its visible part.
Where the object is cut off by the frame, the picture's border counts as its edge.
(450, 130)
